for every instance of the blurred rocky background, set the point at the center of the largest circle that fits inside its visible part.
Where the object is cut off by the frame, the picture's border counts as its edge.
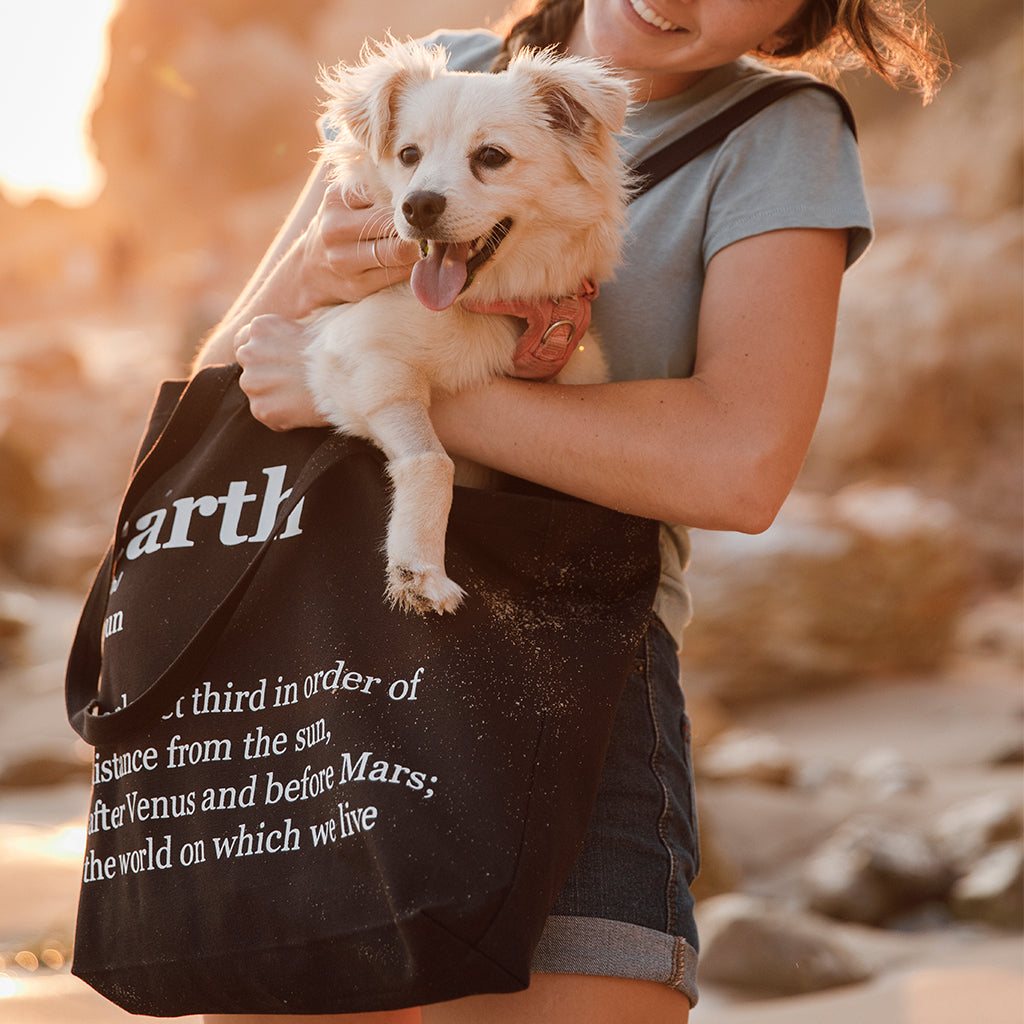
(854, 674)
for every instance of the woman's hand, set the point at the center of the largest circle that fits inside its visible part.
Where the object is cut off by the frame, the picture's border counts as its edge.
(346, 252)
(332, 248)
(271, 352)
(350, 250)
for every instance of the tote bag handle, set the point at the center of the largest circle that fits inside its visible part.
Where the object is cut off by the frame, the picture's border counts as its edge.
(200, 397)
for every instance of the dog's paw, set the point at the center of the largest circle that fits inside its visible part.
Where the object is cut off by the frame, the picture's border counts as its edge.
(422, 589)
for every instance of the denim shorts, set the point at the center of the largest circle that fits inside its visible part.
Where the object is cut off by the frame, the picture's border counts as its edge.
(626, 910)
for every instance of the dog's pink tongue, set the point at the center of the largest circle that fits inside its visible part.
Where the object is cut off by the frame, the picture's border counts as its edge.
(439, 277)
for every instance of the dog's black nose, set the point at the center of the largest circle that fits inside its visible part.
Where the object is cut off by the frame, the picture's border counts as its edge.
(421, 209)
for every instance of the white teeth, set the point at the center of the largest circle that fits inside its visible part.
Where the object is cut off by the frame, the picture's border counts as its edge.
(652, 17)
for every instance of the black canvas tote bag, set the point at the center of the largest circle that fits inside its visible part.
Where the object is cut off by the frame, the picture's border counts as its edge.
(303, 800)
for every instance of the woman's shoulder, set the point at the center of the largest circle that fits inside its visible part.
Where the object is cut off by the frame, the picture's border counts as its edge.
(468, 49)
(813, 108)
(811, 124)
(793, 164)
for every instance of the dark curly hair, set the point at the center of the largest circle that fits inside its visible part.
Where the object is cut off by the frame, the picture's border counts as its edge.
(826, 37)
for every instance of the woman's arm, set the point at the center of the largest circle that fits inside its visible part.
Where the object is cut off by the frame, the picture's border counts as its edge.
(719, 450)
(322, 255)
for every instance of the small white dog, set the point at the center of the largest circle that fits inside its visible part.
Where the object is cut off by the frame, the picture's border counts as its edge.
(514, 187)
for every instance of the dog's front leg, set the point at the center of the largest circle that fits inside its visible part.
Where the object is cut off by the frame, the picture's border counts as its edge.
(421, 475)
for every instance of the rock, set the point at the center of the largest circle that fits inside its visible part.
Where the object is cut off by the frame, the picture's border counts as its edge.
(754, 944)
(969, 828)
(927, 372)
(926, 378)
(993, 629)
(870, 580)
(888, 773)
(42, 770)
(872, 872)
(1009, 756)
(22, 499)
(982, 172)
(15, 622)
(816, 773)
(181, 101)
(65, 554)
(718, 872)
(749, 756)
(77, 434)
(709, 717)
(993, 889)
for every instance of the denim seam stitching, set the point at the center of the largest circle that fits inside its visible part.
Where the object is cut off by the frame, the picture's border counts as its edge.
(678, 962)
(655, 761)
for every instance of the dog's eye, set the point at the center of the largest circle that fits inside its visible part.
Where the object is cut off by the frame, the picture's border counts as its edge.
(491, 156)
(409, 155)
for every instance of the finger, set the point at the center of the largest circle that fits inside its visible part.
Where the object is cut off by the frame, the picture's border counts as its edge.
(241, 339)
(390, 252)
(250, 334)
(397, 252)
(346, 195)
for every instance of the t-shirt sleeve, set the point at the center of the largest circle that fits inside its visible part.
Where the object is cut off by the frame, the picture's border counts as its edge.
(795, 165)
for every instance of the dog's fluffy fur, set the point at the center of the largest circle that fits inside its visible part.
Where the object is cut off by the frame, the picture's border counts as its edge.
(532, 146)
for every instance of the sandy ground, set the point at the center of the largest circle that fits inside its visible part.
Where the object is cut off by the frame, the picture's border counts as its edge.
(950, 729)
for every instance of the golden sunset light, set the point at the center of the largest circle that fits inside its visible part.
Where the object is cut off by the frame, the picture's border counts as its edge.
(52, 55)
(837, 738)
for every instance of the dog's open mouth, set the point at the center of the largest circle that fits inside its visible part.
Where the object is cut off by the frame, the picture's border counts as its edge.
(447, 268)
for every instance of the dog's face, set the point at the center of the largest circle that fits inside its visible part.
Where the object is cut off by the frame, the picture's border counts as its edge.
(512, 183)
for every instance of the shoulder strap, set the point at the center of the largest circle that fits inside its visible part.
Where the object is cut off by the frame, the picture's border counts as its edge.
(85, 660)
(201, 395)
(657, 167)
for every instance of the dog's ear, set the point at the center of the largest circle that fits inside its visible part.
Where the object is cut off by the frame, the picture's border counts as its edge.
(578, 96)
(362, 99)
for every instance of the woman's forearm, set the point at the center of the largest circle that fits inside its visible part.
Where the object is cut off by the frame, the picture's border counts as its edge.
(276, 284)
(280, 293)
(718, 450)
(665, 449)
(330, 250)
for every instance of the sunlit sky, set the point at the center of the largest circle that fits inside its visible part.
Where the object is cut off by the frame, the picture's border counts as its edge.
(52, 53)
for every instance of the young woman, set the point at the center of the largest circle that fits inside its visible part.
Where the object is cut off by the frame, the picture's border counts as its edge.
(719, 329)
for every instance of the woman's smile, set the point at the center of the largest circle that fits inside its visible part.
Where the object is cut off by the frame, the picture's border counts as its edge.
(663, 56)
(651, 17)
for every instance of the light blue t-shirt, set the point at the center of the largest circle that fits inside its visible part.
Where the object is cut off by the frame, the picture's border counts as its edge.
(793, 165)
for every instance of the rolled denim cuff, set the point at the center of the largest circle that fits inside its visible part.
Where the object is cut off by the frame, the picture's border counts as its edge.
(616, 949)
